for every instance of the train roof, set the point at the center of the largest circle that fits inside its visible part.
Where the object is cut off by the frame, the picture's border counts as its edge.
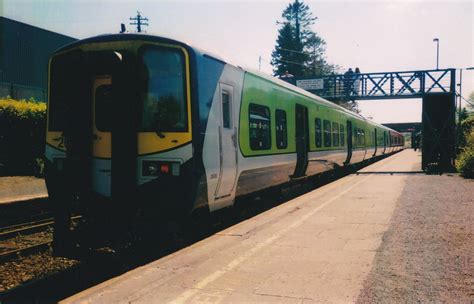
(122, 37)
(301, 91)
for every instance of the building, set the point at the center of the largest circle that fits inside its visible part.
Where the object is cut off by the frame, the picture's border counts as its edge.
(24, 56)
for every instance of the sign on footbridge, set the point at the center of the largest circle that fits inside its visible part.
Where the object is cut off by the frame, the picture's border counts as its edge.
(436, 88)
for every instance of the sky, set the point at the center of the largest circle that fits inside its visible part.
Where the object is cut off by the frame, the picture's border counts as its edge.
(376, 36)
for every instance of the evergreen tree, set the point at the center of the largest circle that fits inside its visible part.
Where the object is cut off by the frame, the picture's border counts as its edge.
(301, 18)
(284, 57)
(299, 50)
(316, 63)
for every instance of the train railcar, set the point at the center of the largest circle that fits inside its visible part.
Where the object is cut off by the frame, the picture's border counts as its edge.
(140, 123)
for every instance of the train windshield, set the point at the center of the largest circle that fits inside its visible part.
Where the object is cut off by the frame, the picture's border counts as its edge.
(164, 96)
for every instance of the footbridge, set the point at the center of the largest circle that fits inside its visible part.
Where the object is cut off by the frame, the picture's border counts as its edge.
(436, 88)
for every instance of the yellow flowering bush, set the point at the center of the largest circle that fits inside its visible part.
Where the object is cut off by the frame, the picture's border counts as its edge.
(22, 136)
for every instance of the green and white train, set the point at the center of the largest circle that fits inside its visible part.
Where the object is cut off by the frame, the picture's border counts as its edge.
(146, 123)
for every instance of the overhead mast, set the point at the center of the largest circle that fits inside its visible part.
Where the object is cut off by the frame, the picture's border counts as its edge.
(139, 21)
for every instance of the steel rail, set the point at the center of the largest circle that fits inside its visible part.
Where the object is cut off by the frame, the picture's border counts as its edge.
(11, 254)
(29, 228)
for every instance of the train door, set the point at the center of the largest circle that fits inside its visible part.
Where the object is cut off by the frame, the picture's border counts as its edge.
(349, 142)
(101, 135)
(227, 143)
(302, 140)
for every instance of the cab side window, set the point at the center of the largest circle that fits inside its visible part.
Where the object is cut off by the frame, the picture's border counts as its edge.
(226, 121)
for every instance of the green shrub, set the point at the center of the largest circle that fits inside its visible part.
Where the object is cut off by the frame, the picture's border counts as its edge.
(465, 160)
(22, 136)
(463, 131)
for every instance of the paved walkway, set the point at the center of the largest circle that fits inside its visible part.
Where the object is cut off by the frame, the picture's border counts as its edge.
(319, 247)
(21, 188)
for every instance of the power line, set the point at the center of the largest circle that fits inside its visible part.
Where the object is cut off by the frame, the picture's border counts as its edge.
(466, 100)
(300, 52)
(288, 61)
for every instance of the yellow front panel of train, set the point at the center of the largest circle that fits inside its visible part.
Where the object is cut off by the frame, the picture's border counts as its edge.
(166, 106)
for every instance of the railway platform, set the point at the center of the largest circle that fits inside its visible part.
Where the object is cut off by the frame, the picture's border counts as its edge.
(386, 233)
(16, 189)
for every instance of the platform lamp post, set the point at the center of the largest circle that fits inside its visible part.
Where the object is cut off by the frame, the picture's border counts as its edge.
(437, 52)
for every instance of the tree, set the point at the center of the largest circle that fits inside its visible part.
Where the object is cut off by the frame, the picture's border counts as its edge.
(285, 57)
(299, 50)
(463, 114)
(300, 18)
(317, 63)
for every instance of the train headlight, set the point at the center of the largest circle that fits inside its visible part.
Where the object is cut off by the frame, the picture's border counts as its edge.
(151, 169)
(156, 168)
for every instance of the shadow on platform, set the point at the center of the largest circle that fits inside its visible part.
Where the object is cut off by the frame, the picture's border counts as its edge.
(390, 172)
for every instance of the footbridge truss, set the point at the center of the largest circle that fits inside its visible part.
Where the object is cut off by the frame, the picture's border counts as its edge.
(384, 85)
(437, 89)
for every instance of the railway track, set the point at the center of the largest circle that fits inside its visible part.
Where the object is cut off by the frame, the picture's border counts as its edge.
(18, 237)
(12, 254)
(23, 212)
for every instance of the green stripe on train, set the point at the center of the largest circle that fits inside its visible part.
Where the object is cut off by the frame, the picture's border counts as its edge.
(263, 92)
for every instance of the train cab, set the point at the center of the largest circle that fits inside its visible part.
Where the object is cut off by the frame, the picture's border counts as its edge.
(119, 124)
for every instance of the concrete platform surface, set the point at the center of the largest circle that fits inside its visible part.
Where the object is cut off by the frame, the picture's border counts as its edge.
(319, 247)
(21, 188)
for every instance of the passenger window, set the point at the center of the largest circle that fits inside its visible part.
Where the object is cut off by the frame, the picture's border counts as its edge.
(327, 133)
(362, 137)
(318, 133)
(259, 127)
(335, 134)
(226, 108)
(343, 139)
(281, 129)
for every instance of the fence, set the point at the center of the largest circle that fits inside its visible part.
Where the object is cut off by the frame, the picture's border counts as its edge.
(16, 91)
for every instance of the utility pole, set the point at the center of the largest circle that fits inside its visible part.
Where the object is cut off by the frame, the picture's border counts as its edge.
(139, 21)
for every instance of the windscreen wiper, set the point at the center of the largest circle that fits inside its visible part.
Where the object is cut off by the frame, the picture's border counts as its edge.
(160, 134)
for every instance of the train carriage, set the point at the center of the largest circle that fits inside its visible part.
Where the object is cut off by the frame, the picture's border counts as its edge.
(139, 122)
